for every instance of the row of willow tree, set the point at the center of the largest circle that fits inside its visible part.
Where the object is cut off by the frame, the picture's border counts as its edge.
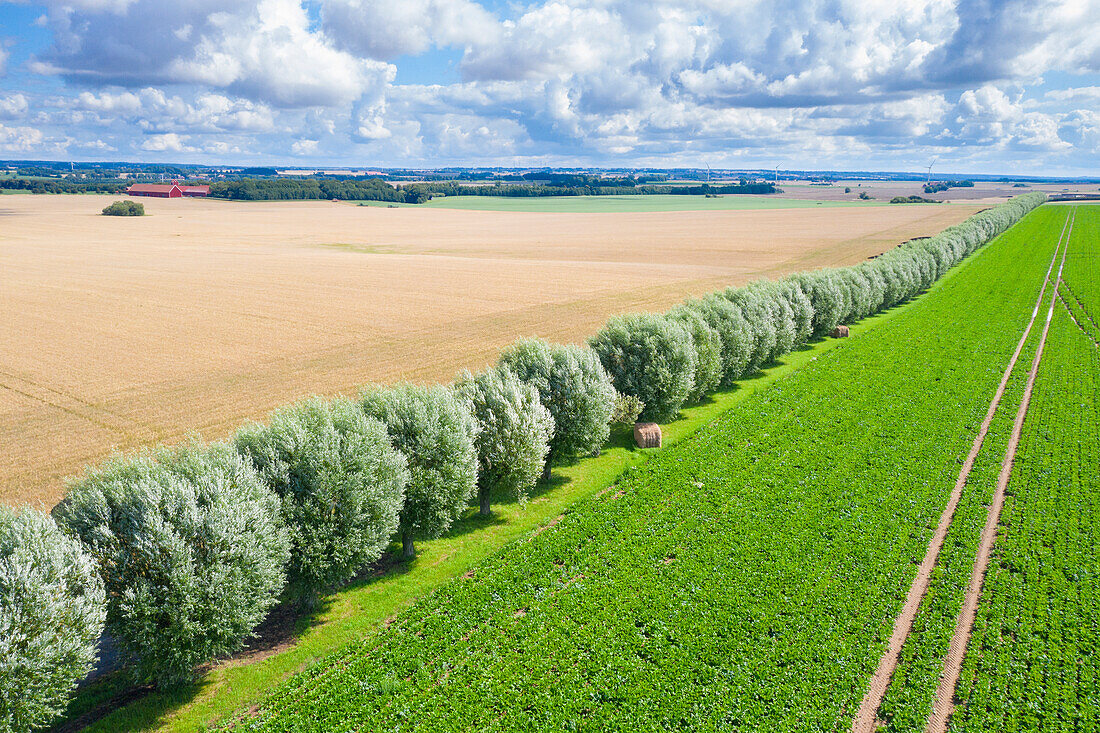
(181, 552)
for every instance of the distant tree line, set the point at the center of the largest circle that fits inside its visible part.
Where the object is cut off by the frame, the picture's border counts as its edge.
(300, 189)
(59, 185)
(374, 189)
(536, 190)
(938, 186)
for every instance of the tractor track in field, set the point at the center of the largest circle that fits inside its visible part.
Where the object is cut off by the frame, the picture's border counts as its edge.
(944, 702)
(866, 718)
(1072, 317)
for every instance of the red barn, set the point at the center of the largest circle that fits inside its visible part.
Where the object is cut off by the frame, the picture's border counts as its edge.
(156, 190)
(195, 190)
(166, 191)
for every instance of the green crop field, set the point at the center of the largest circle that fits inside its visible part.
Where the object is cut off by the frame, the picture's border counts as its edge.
(908, 702)
(1080, 289)
(1032, 661)
(620, 204)
(746, 578)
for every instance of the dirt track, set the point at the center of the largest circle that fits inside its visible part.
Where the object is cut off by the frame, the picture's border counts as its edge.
(116, 333)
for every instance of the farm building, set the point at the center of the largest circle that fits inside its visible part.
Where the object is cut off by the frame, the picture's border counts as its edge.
(167, 191)
(195, 190)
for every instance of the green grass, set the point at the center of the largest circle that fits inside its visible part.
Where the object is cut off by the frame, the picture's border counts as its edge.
(745, 578)
(620, 204)
(361, 608)
(1032, 662)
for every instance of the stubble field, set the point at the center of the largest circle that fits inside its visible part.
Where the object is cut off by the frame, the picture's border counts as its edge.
(116, 333)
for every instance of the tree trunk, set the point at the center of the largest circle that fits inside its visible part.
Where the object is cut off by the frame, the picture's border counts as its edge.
(546, 470)
(408, 550)
(483, 497)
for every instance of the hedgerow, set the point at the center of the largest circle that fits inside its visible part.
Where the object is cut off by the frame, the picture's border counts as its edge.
(51, 615)
(191, 549)
(341, 486)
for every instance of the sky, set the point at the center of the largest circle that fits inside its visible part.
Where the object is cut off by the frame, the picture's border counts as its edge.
(984, 86)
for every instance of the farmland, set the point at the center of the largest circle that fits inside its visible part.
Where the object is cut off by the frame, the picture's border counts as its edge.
(625, 204)
(120, 333)
(775, 545)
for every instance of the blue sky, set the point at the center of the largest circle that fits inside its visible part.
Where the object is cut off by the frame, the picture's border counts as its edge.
(987, 86)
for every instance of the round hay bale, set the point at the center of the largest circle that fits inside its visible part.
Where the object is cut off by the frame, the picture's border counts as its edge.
(840, 332)
(647, 434)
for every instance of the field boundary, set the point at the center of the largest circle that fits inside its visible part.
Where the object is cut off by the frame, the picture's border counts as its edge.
(866, 718)
(944, 703)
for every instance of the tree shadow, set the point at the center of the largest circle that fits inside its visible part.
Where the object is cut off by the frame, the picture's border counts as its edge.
(473, 521)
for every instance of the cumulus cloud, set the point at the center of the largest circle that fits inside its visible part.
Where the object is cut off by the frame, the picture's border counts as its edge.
(264, 50)
(304, 147)
(13, 106)
(383, 29)
(611, 81)
(167, 142)
(20, 139)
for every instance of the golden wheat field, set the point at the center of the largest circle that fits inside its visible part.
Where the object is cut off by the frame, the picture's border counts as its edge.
(118, 333)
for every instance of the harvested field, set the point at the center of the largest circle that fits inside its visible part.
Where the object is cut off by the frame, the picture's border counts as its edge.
(122, 332)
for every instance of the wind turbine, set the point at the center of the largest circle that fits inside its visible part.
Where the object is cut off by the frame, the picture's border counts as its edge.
(708, 171)
(777, 175)
(929, 179)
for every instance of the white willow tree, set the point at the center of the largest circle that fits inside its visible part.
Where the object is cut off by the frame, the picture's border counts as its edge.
(513, 437)
(191, 549)
(651, 357)
(52, 608)
(707, 343)
(573, 386)
(341, 484)
(435, 431)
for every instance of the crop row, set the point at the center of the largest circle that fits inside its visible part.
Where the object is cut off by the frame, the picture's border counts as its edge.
(744, 579)
(1081, 278)
(1031, 663)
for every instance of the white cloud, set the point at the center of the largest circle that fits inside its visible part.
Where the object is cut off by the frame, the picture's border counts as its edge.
(167, 142)
(383, 29)
(265, 50)
(20, 139)
(13, 106)
(304, 147)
